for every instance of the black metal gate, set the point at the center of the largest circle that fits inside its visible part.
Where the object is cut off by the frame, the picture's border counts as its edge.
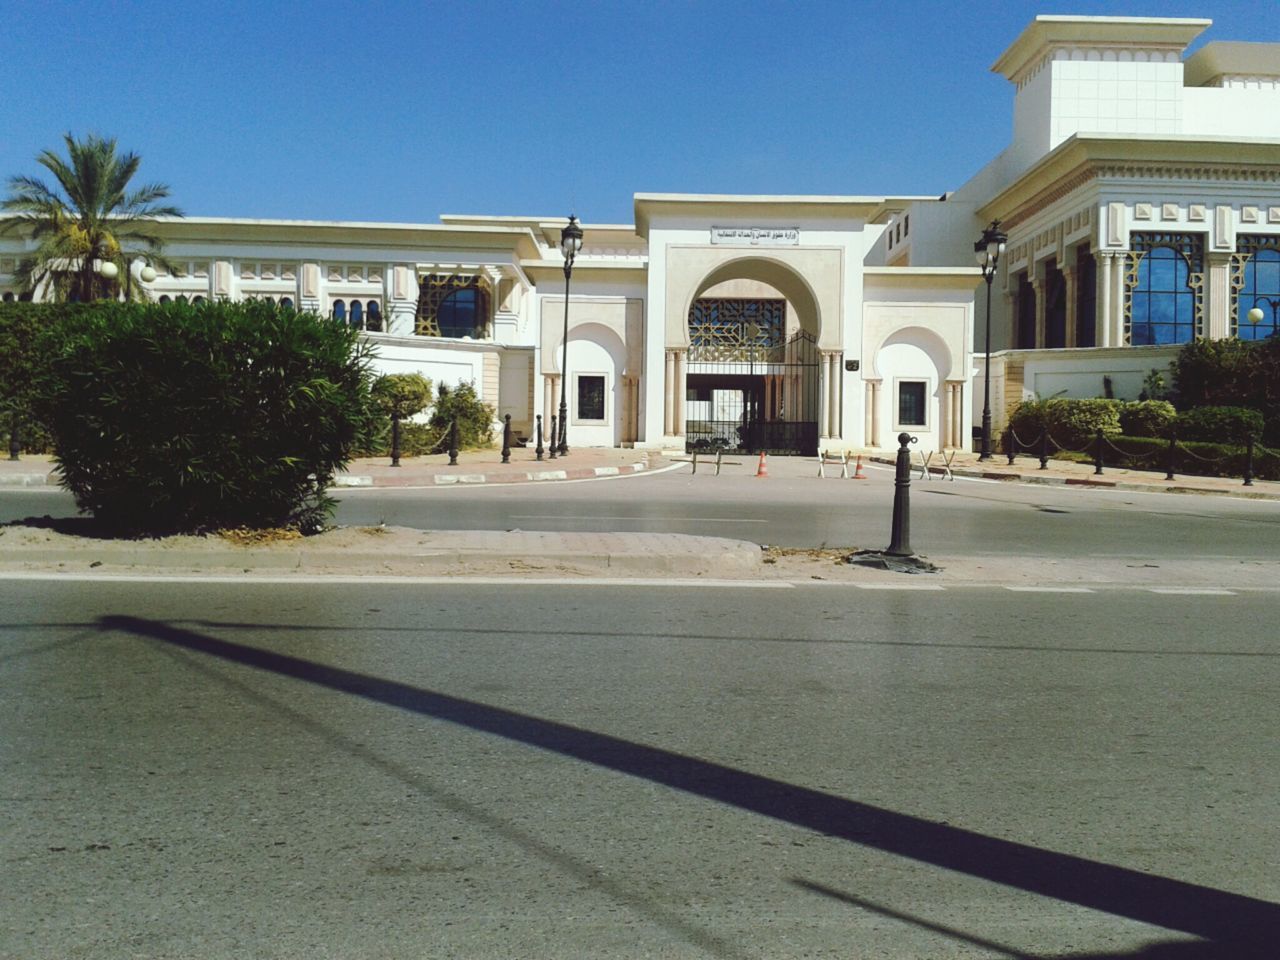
(748, 389)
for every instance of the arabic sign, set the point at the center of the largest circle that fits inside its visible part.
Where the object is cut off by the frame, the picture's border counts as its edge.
(757, 236)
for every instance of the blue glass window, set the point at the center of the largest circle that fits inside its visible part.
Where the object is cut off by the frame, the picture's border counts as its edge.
(340, 310)
(911, 401)
(459, 313)
(1164, 289)
(286, 302)
(357, 314)
(375, 317)
(1261, 290)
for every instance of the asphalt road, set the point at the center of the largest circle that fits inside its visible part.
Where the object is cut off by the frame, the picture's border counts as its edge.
(328, 770)
(962, 518)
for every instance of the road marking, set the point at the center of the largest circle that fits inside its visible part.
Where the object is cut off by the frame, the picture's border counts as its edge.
(552, 516)
(1049, 589)
(1192, 592)
(899, 586)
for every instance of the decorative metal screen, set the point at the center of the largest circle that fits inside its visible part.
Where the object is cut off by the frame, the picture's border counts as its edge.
(1164, 285)
(453, 305)
(1255, 282)
(737, 329)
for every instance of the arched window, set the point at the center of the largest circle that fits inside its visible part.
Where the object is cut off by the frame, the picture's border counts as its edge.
(1259, 287)
(374, 322)
(357, 314)
(8, 296)
(457, 314)
(164, 298)
(181, 298)
(340, 311)
(286, 303)
(197, 299)
(1165, 288)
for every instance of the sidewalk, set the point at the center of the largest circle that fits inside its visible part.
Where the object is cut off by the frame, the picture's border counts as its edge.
(1026, 469)
(474, 466)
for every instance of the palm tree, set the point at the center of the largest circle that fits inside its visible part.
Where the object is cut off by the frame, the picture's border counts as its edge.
(93, 221)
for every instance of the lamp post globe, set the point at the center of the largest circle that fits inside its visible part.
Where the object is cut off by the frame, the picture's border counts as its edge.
(987, 252)
(570, 244)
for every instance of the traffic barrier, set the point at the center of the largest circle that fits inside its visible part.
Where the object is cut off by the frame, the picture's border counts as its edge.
(826, 456)
(857, 471)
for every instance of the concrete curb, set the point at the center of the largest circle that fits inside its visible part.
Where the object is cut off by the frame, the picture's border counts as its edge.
(1144, 487)
(531, 476)
(27, 480)
(678, 554)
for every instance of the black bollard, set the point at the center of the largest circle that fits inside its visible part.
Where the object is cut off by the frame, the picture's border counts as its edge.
(1009, 442)
(506, 439)
(1248, 464)
(1097, 457)
(395, 440)
(899, 545)
(564, 435)
(453, 443)
(538, 432)
(1169, 455)
(1044, 449)
(554, 440)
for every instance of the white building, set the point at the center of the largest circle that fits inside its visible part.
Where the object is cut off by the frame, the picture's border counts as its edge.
(1140, 193)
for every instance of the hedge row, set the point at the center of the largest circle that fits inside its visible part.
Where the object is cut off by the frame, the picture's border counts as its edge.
(1073, 424)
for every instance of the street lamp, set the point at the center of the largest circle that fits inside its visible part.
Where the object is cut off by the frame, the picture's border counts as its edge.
(987, 252)
(138, 270)
(570, 244)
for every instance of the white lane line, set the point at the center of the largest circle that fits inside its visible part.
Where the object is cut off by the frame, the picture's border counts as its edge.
(620, 581)
(899, 586)
(552, 516)
(1049, 589)
(1192, 592)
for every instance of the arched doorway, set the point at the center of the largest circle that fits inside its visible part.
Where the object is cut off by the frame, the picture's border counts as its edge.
(752, 380)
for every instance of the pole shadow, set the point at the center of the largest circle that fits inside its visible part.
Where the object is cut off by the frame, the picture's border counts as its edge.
(1244, 922)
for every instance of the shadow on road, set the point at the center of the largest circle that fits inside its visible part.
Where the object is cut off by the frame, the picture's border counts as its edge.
(1250, 927)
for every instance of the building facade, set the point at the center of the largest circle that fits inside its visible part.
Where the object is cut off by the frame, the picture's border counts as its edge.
(1140, 194)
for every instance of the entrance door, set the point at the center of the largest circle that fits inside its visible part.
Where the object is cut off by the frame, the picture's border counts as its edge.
(749, 389)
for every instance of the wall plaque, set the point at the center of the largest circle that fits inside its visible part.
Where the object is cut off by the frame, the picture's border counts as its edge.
(757, 236)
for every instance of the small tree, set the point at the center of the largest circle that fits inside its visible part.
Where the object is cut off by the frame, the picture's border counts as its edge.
(475, 418)
(178, 417)
(400, 396)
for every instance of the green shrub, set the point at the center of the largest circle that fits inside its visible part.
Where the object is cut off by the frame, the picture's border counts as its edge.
(24, 354)
(188, 417)
(401, 395)
(1233, 425)
(1147, 418)
(1192, 458)
(475, 419)
(416, 440)
(1231, 373)
(1072, 423)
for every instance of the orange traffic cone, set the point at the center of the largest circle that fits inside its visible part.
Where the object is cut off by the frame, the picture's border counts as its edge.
(857, 471)
(763, 469)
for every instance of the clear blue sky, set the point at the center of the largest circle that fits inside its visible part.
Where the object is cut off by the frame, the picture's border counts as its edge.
(403, 111)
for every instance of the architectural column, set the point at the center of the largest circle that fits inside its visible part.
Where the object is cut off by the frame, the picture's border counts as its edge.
(1217, 308)
(1040, 284)
(548, 403)
(1071, 278)
(835, 363)
(1118, 298)
(1102, 323)
(873, 415)
(824, 387)
(682, 391)
(668, 395)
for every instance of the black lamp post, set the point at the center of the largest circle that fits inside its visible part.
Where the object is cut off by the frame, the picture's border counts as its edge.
(570, 244)
(987, 251)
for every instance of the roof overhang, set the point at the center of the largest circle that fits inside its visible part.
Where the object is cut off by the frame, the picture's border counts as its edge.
(1231, 58)
(1085, 157)
(1046, 32)
(707, 206)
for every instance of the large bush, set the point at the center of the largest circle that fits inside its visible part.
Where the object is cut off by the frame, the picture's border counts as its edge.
(1147, 418)
(1231, 373)
(180, 417)
(1072, 423)
(23, 361)
(1230, 425)
(475, 419)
